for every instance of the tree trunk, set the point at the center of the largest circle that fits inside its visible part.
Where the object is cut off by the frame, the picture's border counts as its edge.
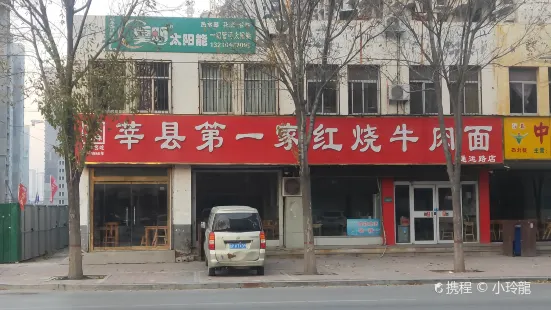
(309, 249)
(458, 255)
(75, 251)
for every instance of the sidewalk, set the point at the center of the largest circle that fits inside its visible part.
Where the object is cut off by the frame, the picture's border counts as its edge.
(334, 271)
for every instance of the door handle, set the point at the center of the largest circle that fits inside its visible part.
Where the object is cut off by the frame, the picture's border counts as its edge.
(127, 216)
(134, 215)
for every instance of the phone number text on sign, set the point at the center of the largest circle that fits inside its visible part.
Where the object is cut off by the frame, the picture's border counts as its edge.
(460, 288)
(363, 227)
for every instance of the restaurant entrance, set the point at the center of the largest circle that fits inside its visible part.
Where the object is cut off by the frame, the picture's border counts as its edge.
(130, 209)
(424, 212)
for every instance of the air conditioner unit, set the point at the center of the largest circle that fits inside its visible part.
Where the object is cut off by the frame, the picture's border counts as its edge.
(399, 92)
(291, 187)
(394, 26)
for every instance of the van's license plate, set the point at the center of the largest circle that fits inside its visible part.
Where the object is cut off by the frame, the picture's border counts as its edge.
(238, 246)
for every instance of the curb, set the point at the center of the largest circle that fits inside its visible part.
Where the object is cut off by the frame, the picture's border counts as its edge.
(244, 285)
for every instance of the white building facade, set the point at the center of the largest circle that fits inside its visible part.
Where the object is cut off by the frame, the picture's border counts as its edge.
(217, 128)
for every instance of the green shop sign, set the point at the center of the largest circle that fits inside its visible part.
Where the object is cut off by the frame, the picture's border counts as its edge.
(182, 35)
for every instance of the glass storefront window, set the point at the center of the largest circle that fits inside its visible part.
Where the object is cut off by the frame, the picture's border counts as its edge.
(401, 199)
(130, 215)
(469, 206)
(345, 206)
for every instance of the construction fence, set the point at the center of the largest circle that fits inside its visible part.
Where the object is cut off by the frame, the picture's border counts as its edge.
(35, 231)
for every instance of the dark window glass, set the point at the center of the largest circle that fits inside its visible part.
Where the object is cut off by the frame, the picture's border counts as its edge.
(236, 222)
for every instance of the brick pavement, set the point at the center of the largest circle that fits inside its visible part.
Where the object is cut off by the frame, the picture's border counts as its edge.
(331, 268)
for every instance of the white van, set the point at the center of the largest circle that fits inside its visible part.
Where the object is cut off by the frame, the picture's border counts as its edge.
(234, 238)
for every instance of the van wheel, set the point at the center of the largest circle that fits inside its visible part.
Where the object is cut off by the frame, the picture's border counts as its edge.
(259, 271)
(212, 272)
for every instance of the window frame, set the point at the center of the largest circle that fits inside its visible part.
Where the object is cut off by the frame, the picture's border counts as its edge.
(364, 82)
(152, 79)
(219, 79)
(259, 77)
(336, 80)
(535, 83)
(423, 93)
(94, 91)
(478, 82)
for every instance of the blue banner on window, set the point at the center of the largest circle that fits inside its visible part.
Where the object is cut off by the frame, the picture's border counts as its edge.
(363, 227)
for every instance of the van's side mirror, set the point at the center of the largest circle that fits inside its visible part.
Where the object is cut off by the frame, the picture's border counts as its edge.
(203, 225)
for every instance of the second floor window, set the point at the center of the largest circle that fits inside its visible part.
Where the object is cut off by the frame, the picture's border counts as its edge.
(422, 98)
(523, 90)
(470, 97)
(368, 8)
(107, 85)
(363, 89)
(216, 84)
(260, 89)
(323, 81)
(154, 82)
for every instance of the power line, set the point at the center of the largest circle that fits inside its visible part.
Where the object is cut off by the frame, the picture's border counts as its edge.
(28, 134)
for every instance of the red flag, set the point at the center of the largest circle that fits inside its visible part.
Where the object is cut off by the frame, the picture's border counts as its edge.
(22, 196)
(53, 186)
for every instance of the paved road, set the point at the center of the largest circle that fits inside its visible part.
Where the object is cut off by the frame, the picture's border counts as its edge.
(350, 298)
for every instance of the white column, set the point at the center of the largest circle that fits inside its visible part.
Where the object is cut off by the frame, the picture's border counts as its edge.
(84, 189)
(182, 208)
(84, 205)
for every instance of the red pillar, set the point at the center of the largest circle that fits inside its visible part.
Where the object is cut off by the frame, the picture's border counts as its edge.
(484, 205)
(387, 202)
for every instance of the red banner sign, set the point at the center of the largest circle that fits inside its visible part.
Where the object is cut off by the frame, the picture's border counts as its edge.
(193, 139)
(53, 188)
(22, 196)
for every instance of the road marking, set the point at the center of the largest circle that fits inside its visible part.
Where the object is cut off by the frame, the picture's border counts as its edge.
(211, 304)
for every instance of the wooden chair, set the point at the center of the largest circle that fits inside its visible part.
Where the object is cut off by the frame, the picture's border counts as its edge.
(271, 226)
(547, 232)
(111, 236)
(469, 230)
(446, 232)
(162, 237)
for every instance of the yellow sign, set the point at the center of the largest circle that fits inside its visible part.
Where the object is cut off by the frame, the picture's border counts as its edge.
(527, 138)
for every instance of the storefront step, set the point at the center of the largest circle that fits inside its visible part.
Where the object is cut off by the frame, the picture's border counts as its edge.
(399, 250)
(129, 257)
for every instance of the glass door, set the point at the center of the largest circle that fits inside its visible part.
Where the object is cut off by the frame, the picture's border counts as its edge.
(423, 216)
(112, 212)
(444, 214)
(149, 212)
(130, 215)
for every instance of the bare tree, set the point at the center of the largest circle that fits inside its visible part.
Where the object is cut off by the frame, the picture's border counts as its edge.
(79, 82)
(308, 43)
(454, 39)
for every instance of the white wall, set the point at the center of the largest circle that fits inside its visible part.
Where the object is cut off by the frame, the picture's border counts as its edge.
(185, 74)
